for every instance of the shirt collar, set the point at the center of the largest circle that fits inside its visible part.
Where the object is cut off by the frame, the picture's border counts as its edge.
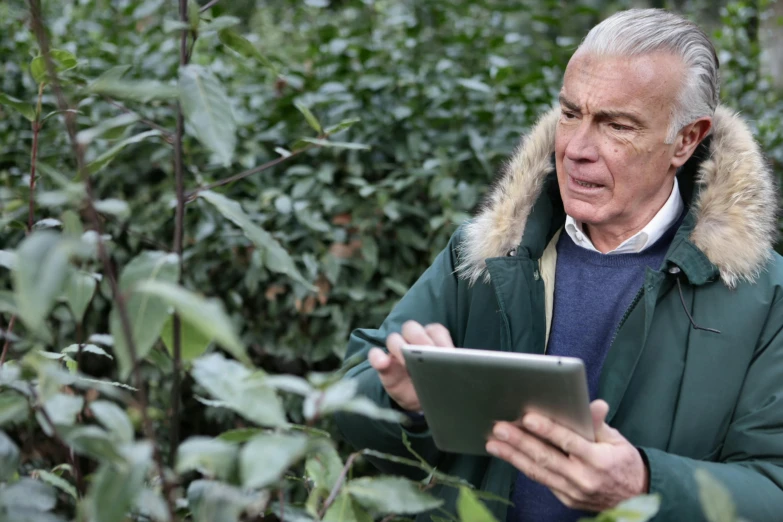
(643, 239)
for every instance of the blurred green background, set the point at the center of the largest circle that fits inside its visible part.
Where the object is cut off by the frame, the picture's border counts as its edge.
(443, 90)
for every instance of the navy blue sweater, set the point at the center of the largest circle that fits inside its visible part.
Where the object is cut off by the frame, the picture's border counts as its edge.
(592, 293)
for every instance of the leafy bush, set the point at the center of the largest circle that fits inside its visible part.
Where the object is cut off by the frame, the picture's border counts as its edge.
(259, 195)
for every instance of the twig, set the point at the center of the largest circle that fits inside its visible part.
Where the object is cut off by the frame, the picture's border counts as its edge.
(78, 150)
(337, 485)
(236, 177)
(7, 342)
(179, 231)
(166, 133)
(33, 159)
(207, 5)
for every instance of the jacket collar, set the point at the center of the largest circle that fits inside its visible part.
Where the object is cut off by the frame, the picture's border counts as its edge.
(732, 218)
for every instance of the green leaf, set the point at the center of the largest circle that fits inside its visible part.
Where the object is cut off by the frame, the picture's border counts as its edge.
(93, 442)
(238, 43)
(475, 85)
(346, 509)
(220, 23)
(39, 275)
(211, 501)
(62, 410)
(208, 111)
(27, 495)
(73, 349)
(343, 125)
(113, 206)
(147, 313)
(342, 396)
(716, 501)
(193, 342)
(194, 15)
(110, 84)
(114, 487)
(151, 504)
(122, 121)
(104, 159)
(385, 495)
(205, 315)
(289, 383)
(7, 302)
(79, 291)
(63, 61)
(25, 109)
(309, 116)
(637, 509)
(229, 382)
(336, 144)
(57, 481)
(13, 407)
(277, 452)
(323, 465)
(239, 435)
(170, 26)
(211, 457)
(471, 509)
(9, 457)
(114, 419)
(276, 258)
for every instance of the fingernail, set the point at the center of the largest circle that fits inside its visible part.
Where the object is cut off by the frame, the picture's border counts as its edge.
(530, 424)
(501, 433)
(492, 450)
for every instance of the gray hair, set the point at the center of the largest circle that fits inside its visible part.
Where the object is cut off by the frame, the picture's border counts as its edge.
(643, 31)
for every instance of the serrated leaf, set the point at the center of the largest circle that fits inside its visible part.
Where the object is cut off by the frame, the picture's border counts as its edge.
(9, 457)
(208, 111)
(147, 313)
(25, 109)
(469, 507)
(114, 419)
(229, 382)
(193, 342)
(238, 43)
(118, 122)
(205, 315)
(277, 452)
(716, 501)
(385, 495)
(57, 481)
(79, 291)
(212, 457)
(309, 116)
(336, 144)
(276, 258)
(104, 159)
(13, 408)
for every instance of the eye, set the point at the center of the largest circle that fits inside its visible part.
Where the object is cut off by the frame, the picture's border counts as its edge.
(568, 115)
(618, 127)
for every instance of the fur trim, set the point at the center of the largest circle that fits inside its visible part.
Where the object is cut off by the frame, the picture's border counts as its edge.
(736, 210)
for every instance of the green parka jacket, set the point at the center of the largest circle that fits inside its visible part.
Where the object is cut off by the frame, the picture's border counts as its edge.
(687, 398)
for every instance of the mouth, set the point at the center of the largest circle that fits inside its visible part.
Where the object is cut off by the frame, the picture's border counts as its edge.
(584, 185)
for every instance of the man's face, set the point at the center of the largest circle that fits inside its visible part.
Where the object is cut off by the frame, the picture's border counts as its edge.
(613, 166)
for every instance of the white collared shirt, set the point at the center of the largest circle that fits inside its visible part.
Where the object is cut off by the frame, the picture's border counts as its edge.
(645, 238)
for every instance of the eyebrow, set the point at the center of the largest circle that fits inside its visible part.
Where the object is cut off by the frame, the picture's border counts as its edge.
(603, 114)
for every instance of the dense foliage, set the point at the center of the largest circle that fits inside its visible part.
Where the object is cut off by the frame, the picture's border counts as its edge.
(360, 134)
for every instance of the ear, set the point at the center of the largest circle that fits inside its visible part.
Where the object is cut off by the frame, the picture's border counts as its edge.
(688, 139)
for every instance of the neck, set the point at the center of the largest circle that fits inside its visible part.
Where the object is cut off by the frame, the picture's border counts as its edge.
(606, 238)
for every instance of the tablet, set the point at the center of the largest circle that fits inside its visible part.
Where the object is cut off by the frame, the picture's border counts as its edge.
(463, 392)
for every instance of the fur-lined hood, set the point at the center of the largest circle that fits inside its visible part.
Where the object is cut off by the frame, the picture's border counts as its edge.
(735, 204)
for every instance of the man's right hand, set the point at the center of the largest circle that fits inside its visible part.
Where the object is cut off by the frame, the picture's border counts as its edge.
(391, 366)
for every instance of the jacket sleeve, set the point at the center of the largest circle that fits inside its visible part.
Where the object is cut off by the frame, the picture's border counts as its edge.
(751, 460)
(432, 299)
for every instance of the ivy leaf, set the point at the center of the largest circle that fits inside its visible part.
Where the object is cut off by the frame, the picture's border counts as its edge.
(238, 43)
(208, 111)
(229, 382)
(104, 159)
(146, 313)
(25, 109)
(385, 495)
(205, 315)
(9, 457)
(277, 452)
(193, 342)
(469, 507)
(79, 291)
(276, 258)
(114, 419)
(212, 457)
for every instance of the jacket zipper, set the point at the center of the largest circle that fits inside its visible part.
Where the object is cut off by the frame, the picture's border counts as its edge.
(626, 314)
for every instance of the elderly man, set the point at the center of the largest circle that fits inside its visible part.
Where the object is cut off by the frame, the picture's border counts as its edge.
(644, 247)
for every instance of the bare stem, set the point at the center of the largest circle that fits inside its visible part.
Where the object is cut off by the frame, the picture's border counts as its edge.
(179, 232)
(78, 150)
(208, 5)
(339, 484)
(33, 159)
(7, 342)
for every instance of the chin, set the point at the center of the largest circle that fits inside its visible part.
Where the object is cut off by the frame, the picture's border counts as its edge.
(583, 212)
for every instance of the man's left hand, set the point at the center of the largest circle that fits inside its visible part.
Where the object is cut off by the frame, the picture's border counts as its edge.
(591, 476)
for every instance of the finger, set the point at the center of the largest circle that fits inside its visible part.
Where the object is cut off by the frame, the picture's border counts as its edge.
(379, 359)
(599, 409)
(527, 466)
(559, 436)
(542, 454)
(394, 344)
(440, 335)
(414, 333)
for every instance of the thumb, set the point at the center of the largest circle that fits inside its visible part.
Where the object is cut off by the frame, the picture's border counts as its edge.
(599, 409)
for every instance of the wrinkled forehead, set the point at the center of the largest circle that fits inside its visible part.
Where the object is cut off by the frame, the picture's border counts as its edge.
(647, 83)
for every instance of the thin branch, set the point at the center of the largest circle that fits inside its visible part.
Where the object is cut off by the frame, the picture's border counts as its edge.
(339, 484)
(207, 5)
(34, 159)
(179, 232)
(78, 150)
(236, 177)
(149, 123)
(7, 342)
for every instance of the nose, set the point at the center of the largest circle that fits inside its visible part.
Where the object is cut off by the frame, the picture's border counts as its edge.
(582, 146)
